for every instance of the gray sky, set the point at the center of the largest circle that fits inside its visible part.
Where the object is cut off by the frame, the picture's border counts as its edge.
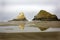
(9, 9)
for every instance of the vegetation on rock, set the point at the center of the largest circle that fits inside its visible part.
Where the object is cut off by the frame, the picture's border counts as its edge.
(44, 15)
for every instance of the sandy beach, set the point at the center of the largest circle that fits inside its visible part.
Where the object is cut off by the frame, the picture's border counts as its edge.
(30, 36)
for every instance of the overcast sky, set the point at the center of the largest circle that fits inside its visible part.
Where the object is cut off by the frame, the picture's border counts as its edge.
(9, 9)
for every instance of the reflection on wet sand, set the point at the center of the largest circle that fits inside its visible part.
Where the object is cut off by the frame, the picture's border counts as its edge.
(21, 26)
(43, 28)
(42, 25)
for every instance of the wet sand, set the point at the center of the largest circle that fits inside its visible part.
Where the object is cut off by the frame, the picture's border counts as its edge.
(30, 36)
(52, 24)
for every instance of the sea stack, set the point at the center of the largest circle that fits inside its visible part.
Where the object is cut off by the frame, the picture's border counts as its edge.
(45, 16)
(20, 17)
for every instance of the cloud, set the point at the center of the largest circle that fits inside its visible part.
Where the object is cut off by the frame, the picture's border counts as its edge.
(30, 7)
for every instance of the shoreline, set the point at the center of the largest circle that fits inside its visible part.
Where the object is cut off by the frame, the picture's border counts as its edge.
(41, 23)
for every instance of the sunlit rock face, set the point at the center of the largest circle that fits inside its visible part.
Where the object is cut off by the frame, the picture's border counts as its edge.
(44, 15)
(20, 17)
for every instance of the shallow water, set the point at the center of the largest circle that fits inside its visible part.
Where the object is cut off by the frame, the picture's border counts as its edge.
(28, 32)
(14, 29)
(34, 26)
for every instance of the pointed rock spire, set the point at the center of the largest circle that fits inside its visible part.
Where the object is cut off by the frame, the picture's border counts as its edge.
(20, 17)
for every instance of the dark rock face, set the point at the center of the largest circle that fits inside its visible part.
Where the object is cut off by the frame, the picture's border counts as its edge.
(19, 19)
(45, 16)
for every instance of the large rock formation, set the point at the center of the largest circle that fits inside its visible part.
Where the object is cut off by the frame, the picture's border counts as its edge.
(44, 15)
(20, 17)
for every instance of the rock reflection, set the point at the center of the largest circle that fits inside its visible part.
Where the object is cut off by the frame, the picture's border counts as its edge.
(21, 26)
(43, 28)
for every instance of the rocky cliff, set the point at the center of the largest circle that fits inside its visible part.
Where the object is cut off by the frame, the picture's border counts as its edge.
(44, 15)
